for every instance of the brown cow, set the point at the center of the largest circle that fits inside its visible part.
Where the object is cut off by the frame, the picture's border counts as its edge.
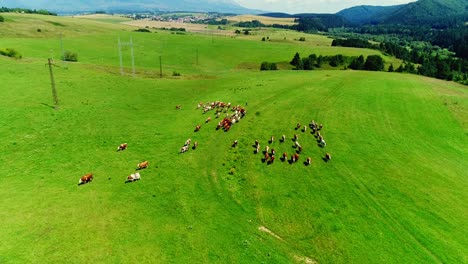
(327, 157)
(208, 119)
(298, 126)
(285, 156)
(272, 159)
(195, 145)
(85, 179)
(122, 146)
(177, 107)
(197, 128)
(142, 165)
(294, 158)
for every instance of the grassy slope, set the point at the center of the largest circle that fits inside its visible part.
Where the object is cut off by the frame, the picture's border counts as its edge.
(396, 185)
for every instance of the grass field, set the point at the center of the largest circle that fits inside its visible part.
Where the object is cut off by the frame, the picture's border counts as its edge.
(394, 191)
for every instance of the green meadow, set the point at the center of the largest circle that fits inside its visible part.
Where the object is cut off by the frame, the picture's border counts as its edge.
(395, 190)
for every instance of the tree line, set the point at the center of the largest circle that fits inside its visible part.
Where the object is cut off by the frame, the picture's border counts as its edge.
(27, 11)
(430, 61)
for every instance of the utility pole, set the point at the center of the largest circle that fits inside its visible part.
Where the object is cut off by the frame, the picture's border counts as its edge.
(197, 56)
(120, 43)
(63, 51)
(133, 57)
(120, 57)
(160, 66)
(52, 82)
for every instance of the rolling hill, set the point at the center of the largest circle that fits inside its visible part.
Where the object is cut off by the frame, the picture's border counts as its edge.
(394, 191)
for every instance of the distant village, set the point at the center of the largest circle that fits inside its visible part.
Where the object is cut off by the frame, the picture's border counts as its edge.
(197, 18)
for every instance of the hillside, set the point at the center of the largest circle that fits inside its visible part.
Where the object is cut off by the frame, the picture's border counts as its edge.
(420, 12)
(63, 6)
(367, 14)
(427, 11)
(396, 183)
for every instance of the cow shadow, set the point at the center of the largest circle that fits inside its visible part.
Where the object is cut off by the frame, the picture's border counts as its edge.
(306, 164)
(325, 159)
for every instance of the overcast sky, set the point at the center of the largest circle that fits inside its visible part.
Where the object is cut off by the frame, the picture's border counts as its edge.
(313, 6)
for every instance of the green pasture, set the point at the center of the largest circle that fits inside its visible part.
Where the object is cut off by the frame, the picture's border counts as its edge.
(394, 191)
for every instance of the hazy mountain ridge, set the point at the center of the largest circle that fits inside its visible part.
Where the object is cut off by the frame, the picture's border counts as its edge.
(224, 6)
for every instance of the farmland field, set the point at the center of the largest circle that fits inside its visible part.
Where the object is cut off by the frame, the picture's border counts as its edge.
(394, 191)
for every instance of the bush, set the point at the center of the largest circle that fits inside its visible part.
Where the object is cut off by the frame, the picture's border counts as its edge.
(70, 56)
(175, 73)
(302, 39)
(267, 66)
(142, 30)
(10, 53)
(2, 19)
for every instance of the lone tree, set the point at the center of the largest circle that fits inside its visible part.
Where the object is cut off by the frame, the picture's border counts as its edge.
(2, 19)
(374, 63)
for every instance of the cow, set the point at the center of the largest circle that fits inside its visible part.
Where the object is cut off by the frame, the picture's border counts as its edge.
(122, 146)
(323, 143)
(85, 179)
(285, 156)
(309, 161)
(299, 149)
(298, 126)
(256, 143)
(305, 129)
(218, 114)
(177, 107)
(272, 159)
(197, 128)
(187, 142)
(208, 119)
(142, 165)
(273, 151)
(295, 158)
(195, 145)
(327, 157)
(283, 138)
(267, 156)
(234, 144)
(184, 149)
(133, 177)
(296, 144)
(272, 139)
(296, 137)
(257, 149)
(267, 148)
(320, 127)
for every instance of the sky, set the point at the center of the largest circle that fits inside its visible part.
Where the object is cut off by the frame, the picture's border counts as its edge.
(313, 6)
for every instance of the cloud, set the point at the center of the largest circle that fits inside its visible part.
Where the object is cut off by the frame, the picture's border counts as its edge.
(313, 6)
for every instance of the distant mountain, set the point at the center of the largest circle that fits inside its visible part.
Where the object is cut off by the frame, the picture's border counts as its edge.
(420, 12)
(366, 14)
(64, 6)
(424, 11)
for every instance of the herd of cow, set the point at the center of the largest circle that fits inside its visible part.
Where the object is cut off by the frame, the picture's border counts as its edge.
(269, 157)
(226, 123)
(130, 178)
